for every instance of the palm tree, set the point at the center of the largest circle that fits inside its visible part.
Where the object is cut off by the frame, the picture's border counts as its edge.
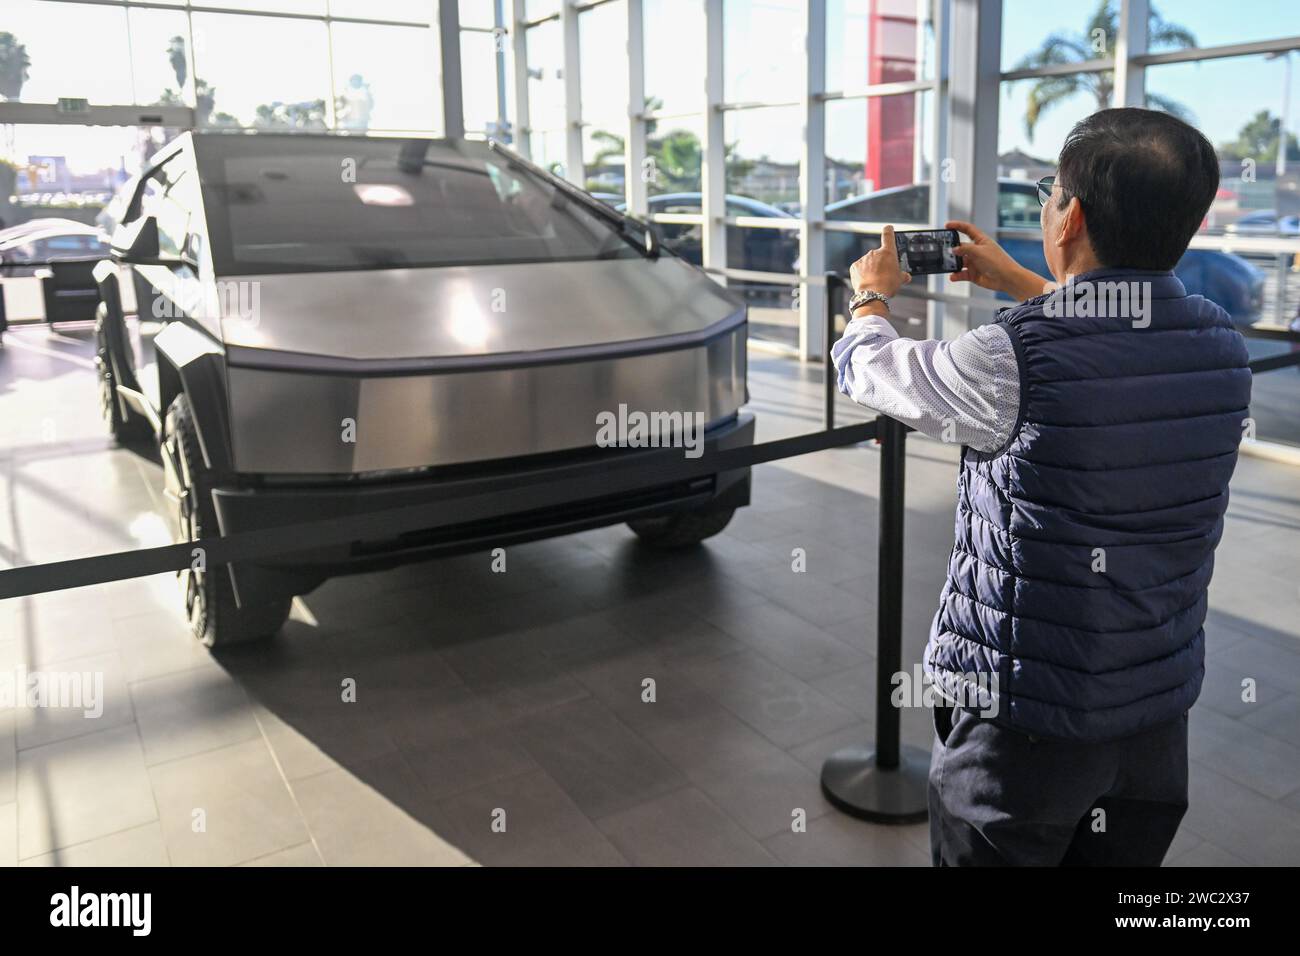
(14, 65)
(176, 55)
(1049, 91)
(677, 153)
(309, 114)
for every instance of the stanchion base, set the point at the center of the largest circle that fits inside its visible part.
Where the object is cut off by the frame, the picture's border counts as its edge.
(853, 783)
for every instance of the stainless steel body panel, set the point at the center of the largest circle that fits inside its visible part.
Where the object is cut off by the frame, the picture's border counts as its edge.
(294, 422)
(462, 311)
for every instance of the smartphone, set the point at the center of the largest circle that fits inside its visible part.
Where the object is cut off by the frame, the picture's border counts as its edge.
(924, 252)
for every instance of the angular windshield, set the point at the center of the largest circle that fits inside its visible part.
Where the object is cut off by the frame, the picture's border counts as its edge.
(285, 203)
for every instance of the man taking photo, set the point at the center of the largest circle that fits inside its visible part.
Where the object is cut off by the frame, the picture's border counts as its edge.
(1099, 419)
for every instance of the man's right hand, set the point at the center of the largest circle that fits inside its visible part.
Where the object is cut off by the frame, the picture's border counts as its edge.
(987, 264)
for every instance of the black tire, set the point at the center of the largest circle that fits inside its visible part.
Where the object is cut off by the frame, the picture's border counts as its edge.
(127, 428)
(215, 617)
(681, 530)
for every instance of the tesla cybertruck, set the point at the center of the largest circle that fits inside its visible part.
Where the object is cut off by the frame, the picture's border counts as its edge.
(347, 325)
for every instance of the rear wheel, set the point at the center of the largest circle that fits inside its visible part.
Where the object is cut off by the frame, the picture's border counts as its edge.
(214, 615)
(683, 529)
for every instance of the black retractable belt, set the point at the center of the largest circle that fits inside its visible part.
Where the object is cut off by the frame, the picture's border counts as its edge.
(608, 477)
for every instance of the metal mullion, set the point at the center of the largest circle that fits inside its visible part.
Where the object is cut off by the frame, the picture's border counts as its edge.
(754, 275)
(119, 114)
(763, 222)
(574, 169)
(676, 218)
(812, 187)
(1059, 69)
(714, 174)
(499, 29)
(755, 105)
(660, 117)
(1193, 54)
(878, 89)
(938, 133)
(1130, 76)
(278, 14)
(1266, 245)
(331, 105)
(193, 78)
(130, 52)
(453, 101)
(862, 227)
(519, 68)
(526, 24)
(635, 188)
(974, 95)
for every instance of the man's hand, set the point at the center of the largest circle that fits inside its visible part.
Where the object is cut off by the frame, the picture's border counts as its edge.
(878, 270)
(987, 264)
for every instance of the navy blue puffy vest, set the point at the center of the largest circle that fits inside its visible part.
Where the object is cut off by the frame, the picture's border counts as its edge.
(1085, 546)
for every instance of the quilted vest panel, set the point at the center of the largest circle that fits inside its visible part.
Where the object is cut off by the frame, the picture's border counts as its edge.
(1076, 588)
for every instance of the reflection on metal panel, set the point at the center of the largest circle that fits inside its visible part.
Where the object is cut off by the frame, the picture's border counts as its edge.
(476, 310)
(294, 422)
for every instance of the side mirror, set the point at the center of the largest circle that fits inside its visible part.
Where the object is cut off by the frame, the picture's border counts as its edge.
(137, 242)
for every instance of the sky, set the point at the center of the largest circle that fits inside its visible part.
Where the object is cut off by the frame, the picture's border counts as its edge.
(1221, 95)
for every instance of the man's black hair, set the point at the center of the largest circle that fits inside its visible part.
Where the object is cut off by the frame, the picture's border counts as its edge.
(1145, 179)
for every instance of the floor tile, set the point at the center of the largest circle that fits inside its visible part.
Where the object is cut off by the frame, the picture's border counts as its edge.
(839, 840)
(225, 806)
(138, 846)
(525, 820)
(190, 712)
(353, 825)
(683, 828)
(602, 765)
(79, 789)
(82, 696)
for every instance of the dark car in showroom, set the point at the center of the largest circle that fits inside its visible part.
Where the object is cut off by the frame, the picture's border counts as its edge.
(1229, 280)
(758, 250)
(351, 325)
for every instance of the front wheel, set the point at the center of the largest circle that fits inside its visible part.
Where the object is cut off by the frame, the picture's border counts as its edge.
(683, 529)
(126, 427)
(215, 617)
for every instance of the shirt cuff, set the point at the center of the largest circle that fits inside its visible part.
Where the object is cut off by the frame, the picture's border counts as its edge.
(866, 325)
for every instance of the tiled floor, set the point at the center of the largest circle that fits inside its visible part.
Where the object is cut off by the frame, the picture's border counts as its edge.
(499, 718)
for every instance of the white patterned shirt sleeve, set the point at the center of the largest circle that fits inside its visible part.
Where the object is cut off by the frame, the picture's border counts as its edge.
(965, 391)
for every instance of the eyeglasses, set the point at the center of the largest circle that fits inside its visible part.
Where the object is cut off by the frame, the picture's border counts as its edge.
(1045, 187)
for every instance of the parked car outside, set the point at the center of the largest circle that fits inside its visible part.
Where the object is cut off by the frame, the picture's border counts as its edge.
(1231, 281)
(27, 247)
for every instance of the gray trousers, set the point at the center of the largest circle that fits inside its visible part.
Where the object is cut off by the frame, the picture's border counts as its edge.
(999, 797)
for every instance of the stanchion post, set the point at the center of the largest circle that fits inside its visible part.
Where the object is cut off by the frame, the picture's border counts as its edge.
(889, 588)
(833, 284)
(887, 783)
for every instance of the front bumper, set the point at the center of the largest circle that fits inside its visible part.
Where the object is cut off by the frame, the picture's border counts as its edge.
(263, 506)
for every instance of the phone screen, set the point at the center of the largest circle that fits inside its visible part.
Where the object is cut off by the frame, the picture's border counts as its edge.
(924, 252)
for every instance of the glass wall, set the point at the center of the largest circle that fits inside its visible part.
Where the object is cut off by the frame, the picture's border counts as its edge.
(375, 68)
(1247, 254)
(603, 91)
(544, 49)
(675, 58)
(715, 149)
